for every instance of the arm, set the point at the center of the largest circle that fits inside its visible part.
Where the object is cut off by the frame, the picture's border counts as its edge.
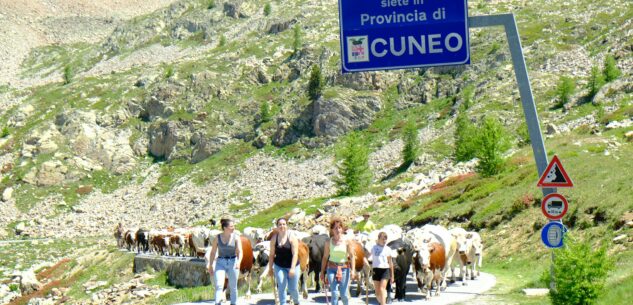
(326, 256)
(294, 244)
(273, 241)
(390, 260)
(238, 251)
(211, 257)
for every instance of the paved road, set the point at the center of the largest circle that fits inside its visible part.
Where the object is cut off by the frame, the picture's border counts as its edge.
(454, 293)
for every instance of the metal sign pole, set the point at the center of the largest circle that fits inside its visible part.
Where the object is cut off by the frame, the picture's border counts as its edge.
(525, 91)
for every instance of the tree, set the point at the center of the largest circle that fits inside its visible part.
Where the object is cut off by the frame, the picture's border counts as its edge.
(411, 149)
(267, 9)
(464, 138)
(296, 44)
(315, 85)
(211, 4)
(579, 273)
(596, 81)
(610, 70)
(265, 114)
(353, 170)
(564, 90)
(490, 145)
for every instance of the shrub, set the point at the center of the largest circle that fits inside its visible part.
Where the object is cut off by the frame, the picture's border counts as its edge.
(5, 132)
(467, 94)
(610, 70)
(524, 134)
(296, 43)
(68, 74)
(211, 4)
(222, 41)
(490, 144)
(267, 9)
(564, 90)
(596, 81)
(411, 149)
(169, 71)
(579, 272)
(464, 138)
(265, 114)
(354, 169)
(315, 86)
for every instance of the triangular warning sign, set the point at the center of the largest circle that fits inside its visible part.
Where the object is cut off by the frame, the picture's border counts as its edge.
(555, 175)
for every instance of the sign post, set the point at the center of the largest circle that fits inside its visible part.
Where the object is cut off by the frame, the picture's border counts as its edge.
(398, 34)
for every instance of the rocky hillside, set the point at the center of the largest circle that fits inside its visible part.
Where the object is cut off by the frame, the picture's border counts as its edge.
(160, 114)
(150, 113)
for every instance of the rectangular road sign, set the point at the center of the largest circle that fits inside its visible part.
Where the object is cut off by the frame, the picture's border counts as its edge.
(397, 34)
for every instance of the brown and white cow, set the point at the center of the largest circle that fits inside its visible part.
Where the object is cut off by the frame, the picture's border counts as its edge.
(428, 263)
(362, 266)
(421, 237)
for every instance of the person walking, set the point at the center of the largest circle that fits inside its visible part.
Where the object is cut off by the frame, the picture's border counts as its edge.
(284, 262)
(365, 226)
(382, 266)
(228, 247)
(339, 260)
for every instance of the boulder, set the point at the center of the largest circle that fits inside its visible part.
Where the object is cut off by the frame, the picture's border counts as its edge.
(336, 116)
(360, 81)
(629, 136)
(51, 172)
(280, 26)
(205, 147)
(163, 137)
(189, 273)
(7, 194)
(28, 282)
(232, 8)
(551, 129)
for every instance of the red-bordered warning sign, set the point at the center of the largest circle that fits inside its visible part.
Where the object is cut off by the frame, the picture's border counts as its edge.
(555, 175)
(554, 206)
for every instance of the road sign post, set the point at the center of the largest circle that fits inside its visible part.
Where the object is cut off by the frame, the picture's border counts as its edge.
(397, 34)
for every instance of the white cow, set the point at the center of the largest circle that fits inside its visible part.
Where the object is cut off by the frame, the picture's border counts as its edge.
(475, 253)
(461, 256)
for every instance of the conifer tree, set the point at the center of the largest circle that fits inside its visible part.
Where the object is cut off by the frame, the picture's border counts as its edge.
(491, 143)
(411, 149)
(610, 71)
(354, 171)
(315, 85)
(596, 81)
(464, 138)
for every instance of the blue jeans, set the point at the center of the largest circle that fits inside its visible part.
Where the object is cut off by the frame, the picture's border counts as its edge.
(283, 280)
(224, 267)
(336, 287)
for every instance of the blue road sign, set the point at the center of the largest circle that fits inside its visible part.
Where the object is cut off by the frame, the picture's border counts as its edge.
(552, 234)
(396, 34)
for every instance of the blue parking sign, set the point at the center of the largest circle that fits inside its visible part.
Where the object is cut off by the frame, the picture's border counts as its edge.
(397, 34)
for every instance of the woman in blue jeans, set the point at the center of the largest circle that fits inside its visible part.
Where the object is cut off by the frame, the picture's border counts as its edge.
(339, 259)
(228, 247)
(284, 254)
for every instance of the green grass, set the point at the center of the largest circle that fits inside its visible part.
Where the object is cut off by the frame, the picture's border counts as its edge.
(109, 265)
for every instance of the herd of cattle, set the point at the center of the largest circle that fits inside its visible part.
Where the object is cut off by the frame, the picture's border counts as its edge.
(432, 250)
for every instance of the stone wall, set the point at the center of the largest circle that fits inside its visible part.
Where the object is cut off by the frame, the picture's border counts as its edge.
(181, 271)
